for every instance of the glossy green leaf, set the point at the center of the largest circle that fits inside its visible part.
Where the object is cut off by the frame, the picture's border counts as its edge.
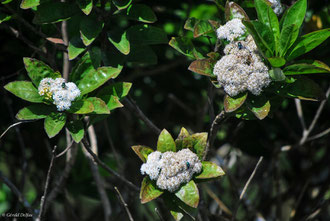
(233, 10)
(177, 208)
(295, 15)
(35, 111)
(82, 67)
(188, 193)
(307, 42)
(142, 152)
(305, 89)
(260, 106)
(100, 107)
(185, 47)
(114, 103)
(149, 190)
(210, 170)
(25, 4)
(90, 28)
(265, 34)
(122, 4)
(202, 28)
(76, 129)
(267, 16)
(287, 38)
(76, 47)
(54, 11)
(306, 68)
(203, 67)
(165, 142)
(142, 13)
(199, 144)
(142, 54)
(4, 17)
(277, 74)
(85, 5)
(145, 34)
(95, 54)
(190, 23)
(215, 24)
(181, 140)
(94, 79)
(81, 107)
(233, 103)
(24, 90)
(54, 123)
(119, 90)
(277, 61)
(38, 70)
(120, 42)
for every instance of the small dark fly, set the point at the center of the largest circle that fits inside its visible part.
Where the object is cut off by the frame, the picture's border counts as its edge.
(63, 85)
(188, 165)
(240, 46)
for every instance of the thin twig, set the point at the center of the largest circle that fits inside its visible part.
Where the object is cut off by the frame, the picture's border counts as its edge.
(213, 131)
(319, 135)
(104, 166)
(66, 149)
(43, 198)
(300, 114)
(131, 105)
(14, 125)
(14, 189)
(124, 204)
(159, 215)
(246, 186)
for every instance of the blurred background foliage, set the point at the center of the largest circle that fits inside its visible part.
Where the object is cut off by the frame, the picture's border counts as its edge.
(292, 183)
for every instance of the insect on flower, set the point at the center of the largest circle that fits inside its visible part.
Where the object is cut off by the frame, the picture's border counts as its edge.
(240, 46)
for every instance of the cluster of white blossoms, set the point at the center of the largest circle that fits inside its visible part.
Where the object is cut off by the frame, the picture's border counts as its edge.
(60, 92)
(241, 68)
(277, 6)
(231, 30)
(171, 169)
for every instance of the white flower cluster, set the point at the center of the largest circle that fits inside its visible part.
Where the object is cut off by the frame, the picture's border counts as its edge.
(277, 6)
(231, 30)
(171, 169)
(242, 68)
(60, 92)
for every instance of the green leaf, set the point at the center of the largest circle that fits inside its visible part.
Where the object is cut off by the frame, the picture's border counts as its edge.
(210, 170)
(307, 42)
(76, 129)
(277, 61)
(52, 12)
(199, 144)
(122, 4)
(142, 13)
(307, 68)
(81, 107)
(142, 54)
(295, 15)
(85, 5)
(203, 67)
(267, 16)
(25, 4)
(259, 105)
(188, 193)
(76, 47)
(114, 103)
(149, 190)
(83, 66)
(145, 34)
(165, 142)
(190, 24)
(277, 74)
(4, 17)
(120, 42)
(233, 103)
(112, 93)
(38, 70)
(35, 111)
(94, 79)
(185, 47)
(95, 56)
(303, 88)
(90, 28)
(233, 10)
(288, 37)
(100, 107)
(142, 152)
(54, 123)
(202, 28)
(265, 35)
(24, 90)
(181, 140)
(178, 208)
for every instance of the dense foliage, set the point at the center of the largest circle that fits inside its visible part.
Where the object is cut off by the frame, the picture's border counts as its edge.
(136, 67)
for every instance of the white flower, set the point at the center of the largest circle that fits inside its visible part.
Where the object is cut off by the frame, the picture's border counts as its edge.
(242, 68)
(171, 169)
(60, 92)
(277, 6)
(231, 30)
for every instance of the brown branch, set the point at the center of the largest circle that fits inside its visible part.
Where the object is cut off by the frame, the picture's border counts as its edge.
(124, 204)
